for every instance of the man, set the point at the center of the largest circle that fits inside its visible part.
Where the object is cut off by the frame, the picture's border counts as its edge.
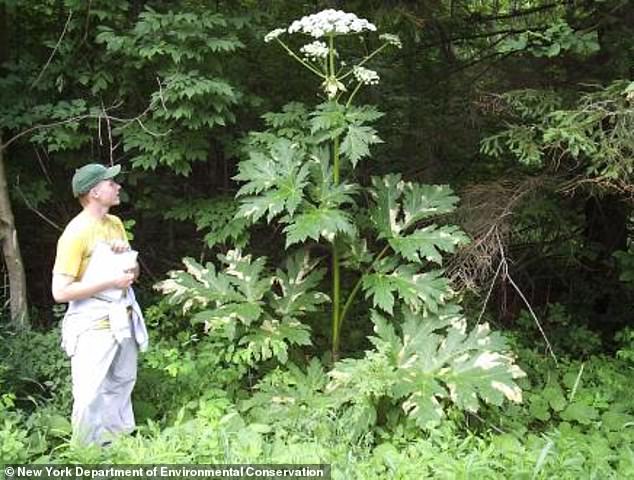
(102, 336)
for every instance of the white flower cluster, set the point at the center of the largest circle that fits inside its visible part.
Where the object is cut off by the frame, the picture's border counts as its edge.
(273, 34)
(315, 50)
(365, 75)
(391, 39)
(329, 22)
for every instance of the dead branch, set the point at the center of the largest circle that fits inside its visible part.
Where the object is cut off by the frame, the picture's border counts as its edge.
(59, 41)
(601, 183)
(485, 214)
(36, 211)
(507, 277)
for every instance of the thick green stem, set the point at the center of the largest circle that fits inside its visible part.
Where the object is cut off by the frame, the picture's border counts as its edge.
(331, 55)
(357, 287)
(336, 274)
(336, 279)
(336, 301)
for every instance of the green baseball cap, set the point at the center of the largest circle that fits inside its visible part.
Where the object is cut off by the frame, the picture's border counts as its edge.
(90, 175)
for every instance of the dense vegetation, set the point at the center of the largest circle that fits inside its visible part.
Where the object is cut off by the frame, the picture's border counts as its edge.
(404, 249)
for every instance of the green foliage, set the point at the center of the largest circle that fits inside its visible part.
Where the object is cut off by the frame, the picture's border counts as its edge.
(398, 209)
(625, 260)
(42, 374)
(35, 391)
(292, 400)
(216, 217)
(278, 180)
(278, 175)
(185, 50)
(593, 396)
(595, 129)
(172, 86)
(556, 40)
(432, 359)
(393, 220)
(568, 334)
(175, 373)
(626, 344)
(426, 291)
(13, 436)
(332, 120)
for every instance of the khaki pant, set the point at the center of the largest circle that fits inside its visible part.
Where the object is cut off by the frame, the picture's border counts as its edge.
(103, 373)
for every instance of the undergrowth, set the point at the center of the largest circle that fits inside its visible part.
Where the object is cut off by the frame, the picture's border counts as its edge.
(576, 420)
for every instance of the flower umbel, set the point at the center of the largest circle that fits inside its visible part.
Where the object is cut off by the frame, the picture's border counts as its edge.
(365, 75)
(273, 34)
(331, 22)
(315, 50)
(391, 39)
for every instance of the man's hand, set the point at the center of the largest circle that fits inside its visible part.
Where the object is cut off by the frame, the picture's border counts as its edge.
(119, 246)
(123, 281)
(136, 271)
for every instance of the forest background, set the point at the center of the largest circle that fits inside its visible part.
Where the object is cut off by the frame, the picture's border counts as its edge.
(487, 163)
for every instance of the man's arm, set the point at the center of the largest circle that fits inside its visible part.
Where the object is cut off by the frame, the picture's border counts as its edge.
(66, 288)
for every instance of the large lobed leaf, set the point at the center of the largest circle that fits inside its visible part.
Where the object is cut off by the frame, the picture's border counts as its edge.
(316, 222)
(425, 290)
(272, 339)
(245, 303)
(275, 181)
(429, 243)
(398, 208)
(225, 299)
(332, 120)
(400, 204)
(431, 360)
(324, 217)
(356, 142)
(297, 294)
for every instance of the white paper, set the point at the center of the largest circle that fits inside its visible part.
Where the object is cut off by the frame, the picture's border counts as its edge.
(104, 263)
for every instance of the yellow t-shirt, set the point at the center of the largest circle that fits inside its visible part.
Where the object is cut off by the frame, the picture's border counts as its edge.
(74, 247)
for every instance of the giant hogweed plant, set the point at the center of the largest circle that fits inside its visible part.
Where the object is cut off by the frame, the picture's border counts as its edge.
(299, 173)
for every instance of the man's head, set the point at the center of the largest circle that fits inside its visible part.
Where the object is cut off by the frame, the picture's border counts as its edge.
(97, 180)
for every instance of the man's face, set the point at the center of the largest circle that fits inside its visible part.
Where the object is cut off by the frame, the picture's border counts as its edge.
(107, 193)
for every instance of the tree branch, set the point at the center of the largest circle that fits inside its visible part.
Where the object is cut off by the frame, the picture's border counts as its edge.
(36, 211)
(59, 41)
(78, 118)
(518, 13)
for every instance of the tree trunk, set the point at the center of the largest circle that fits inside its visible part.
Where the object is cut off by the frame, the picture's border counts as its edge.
(11, 252)
(8, 234)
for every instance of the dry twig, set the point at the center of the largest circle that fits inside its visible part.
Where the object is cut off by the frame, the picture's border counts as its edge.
(59, 41)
